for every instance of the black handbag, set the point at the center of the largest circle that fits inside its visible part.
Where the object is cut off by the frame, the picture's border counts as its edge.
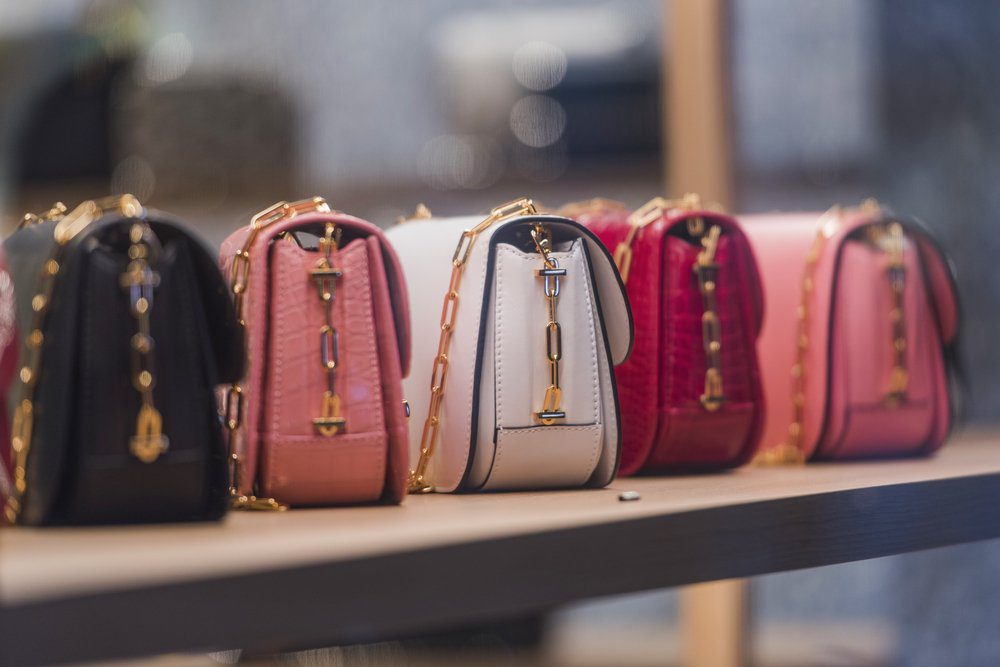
(127, 328)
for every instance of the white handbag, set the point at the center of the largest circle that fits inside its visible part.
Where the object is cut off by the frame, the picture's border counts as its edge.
(512, 385)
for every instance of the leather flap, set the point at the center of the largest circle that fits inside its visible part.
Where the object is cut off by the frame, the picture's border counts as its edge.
(732, 229)
(939, 271)
(225, 335)
(613, 302)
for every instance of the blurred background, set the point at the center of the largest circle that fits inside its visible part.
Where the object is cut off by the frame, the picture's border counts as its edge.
(215, 110)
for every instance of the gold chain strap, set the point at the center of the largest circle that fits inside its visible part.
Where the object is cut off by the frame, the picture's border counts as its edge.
(239, 283)
(439, 374)
(67, 227)
(325, 275)
(707, 271)
(899, 379)
(139, 281)
(890, 236)
(55, 212)
(551, 410)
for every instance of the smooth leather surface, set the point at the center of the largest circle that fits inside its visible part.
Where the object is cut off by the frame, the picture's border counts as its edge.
(79, 466)
(280, 450)
(849, 354)
(497, 354)
(8, 366)
(665, 426)
(525, 454)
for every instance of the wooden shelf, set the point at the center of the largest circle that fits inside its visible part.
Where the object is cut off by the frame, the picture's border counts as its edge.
(323, 577)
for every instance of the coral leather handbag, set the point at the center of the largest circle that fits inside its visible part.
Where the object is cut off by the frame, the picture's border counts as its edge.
(125, 330)
(8, 364)
(514, 387)
(319, 418)
(862, 321)
(691, 392)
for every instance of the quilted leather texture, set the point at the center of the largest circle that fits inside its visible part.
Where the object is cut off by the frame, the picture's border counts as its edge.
(848, 363)
(280, 449)
(668, 429)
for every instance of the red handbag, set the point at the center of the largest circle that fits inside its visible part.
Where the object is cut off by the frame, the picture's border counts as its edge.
(691, 395)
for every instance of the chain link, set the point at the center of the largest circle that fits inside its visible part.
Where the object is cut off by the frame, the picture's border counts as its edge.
(139, 281)
(899, 379)
(551, 410)
(439, 371)
(239, 280)
(707, 271)
(67, 227)
(325, 274)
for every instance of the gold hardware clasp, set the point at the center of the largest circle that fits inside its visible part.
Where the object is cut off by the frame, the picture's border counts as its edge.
(330, 422)
(148, 443)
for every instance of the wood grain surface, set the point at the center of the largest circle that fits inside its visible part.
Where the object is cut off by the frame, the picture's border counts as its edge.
(321, 577)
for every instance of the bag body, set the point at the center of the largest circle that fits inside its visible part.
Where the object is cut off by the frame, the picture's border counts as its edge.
(514, 372)
(862, 318)
(126, 328)
(319, 419)
(691, 392)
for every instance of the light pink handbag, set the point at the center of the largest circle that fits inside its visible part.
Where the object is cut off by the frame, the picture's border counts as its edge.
(862, 319)
(320, 417)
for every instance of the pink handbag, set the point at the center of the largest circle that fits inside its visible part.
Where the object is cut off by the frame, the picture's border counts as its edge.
(861, 323)
(320, 418)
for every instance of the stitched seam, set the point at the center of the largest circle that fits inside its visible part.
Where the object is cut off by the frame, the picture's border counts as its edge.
(365, 288)
(605, 374)
(585, 279)
(498, 343)
(575, 256)
(377, 463)
(520, 433)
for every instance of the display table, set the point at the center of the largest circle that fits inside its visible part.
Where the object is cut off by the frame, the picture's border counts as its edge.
(311, 578)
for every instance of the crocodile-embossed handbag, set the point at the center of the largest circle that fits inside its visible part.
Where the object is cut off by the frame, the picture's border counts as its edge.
(319, 419)
(125, 330)
(860, 334)
(691, 392)
(514, 386)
